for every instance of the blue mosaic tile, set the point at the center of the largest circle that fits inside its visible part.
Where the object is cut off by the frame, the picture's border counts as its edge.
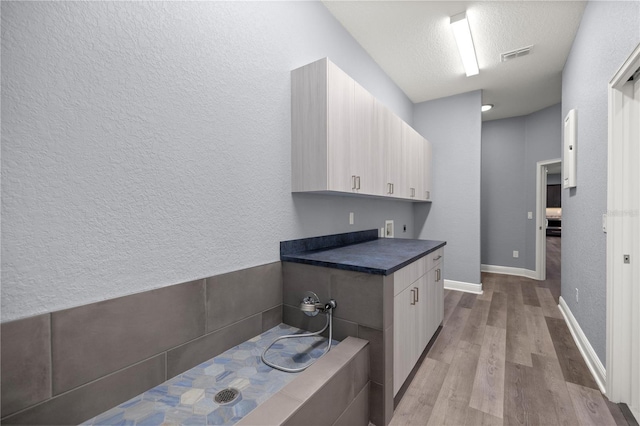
(109, 419)
(188, 398)
(153, 420)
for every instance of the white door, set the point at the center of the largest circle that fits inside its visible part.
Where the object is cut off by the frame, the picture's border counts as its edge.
(623, 236)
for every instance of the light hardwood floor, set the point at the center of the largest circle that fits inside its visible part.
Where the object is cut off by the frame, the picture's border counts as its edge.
(506, 357)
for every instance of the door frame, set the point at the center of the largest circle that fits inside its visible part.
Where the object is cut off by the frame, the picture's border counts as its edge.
(541, 217)
(621, 336)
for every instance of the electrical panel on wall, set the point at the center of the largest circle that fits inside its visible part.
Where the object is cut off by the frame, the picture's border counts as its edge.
(570, 149)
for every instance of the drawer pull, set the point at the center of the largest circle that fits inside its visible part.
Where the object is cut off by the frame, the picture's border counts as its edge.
(413, 297)
(417, 294)
(438, 258)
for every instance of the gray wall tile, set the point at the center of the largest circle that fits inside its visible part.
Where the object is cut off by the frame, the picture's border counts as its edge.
(94, 398)
(343, 329)
(376, 352)
(356, 414)
(96, 339)
(359, 297)
(293, 316)
(299, 278)
(197, 351)
(336, 394)
(271, 318)
(26, 362)
(240, 294)
(376, 404)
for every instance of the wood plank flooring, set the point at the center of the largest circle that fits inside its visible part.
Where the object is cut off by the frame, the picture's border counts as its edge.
(506, 357)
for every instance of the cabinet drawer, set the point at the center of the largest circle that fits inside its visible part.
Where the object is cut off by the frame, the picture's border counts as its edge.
(406, 276)
(435, 259)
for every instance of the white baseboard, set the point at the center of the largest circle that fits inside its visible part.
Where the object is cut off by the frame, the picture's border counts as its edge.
(463, 286)
(593, 362)
(507, 270)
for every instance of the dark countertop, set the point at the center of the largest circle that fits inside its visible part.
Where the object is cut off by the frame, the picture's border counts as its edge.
(380, 256)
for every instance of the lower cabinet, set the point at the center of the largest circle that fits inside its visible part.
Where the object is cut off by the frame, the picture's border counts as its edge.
(418, 309)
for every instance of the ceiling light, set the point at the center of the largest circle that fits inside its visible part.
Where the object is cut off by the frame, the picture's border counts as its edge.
(486, 107)
(462, 33)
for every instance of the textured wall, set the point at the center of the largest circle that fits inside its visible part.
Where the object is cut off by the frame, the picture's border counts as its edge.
(543, 136)
(554, 178)
(454, 126)
(503, 194)
(608, 33)
(511, 147)
(148, 143)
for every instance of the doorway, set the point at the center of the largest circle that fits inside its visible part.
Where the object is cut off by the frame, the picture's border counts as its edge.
(544, 220)
(623, 229)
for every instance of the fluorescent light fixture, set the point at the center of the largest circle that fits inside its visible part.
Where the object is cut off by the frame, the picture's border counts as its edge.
(462, 33)
(486, 107)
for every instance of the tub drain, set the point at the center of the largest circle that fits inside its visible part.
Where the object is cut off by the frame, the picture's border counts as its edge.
(227, 395)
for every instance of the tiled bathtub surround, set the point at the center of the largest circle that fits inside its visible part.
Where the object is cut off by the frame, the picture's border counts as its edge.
(365, 310)
(189, 397)
(68, 366)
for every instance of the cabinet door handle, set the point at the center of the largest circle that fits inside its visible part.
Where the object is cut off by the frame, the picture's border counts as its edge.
(388, 188)
(357, 182)
(413, 297)
(392, 188)
(417, 294)
(413, 192)
(427, 195)
(353, 181)
(438, 275)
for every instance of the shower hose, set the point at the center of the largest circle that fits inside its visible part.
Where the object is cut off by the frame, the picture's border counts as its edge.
(291, 336)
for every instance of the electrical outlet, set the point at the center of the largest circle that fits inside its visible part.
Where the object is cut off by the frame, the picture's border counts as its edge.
(388, 228)
(516, 253)
(577, 296)
(529, 215)
(351, 218)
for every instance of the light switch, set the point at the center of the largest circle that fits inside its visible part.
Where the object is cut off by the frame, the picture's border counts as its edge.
(529, 215)
(604, 222)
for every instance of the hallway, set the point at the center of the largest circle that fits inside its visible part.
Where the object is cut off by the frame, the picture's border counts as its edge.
(506, 357)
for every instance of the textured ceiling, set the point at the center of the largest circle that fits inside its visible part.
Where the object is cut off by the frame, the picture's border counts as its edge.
(412, 42)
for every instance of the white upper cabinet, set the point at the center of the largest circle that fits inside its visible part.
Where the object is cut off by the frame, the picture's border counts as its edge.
(344, 140)
(388, 133)
(427, 170)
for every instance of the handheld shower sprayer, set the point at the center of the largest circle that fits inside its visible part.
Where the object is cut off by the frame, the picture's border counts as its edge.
(311, 306)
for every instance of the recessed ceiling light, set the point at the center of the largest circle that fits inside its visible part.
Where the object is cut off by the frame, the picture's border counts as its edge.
(462, 33)
(486, 107)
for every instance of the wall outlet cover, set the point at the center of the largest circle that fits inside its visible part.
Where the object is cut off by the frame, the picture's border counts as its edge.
(516, 253)
(388, 228)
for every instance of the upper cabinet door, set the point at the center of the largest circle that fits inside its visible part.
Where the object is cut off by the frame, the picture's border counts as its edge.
(365, 153)
(343, 140)
(427, 170)
(389, 140)
(414, 171)
(340, 130)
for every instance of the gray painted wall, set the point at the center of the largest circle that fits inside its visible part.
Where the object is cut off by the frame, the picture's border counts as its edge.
(453, 125)
(503, 194)
(543, 135)
(511, 147)
(148, 143)
(608, 33)
(554, 179)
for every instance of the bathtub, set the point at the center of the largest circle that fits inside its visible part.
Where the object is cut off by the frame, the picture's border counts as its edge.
(251, 393)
